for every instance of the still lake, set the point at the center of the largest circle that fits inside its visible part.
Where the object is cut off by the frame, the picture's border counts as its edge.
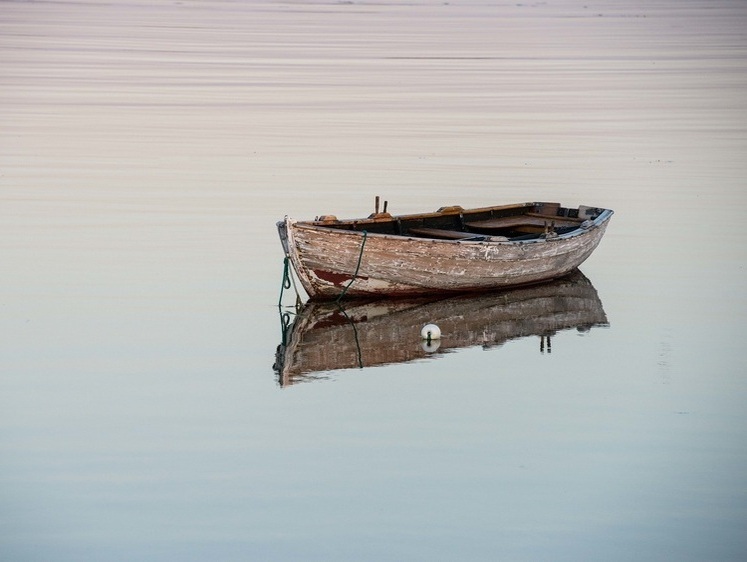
(147, 149)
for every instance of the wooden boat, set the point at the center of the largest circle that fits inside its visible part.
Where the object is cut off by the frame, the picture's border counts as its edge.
(448, 251)
(327, 336)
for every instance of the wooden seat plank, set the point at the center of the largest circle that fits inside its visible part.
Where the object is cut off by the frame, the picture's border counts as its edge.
(529, 219)
(442, 233)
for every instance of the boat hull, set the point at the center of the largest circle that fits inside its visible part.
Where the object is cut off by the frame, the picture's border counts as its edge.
(330, 262)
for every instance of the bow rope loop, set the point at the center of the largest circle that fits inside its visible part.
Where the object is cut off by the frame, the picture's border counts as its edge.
(287, 282)
(286, 273)
(357, 268)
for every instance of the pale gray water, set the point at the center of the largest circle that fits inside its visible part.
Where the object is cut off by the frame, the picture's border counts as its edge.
(146, 150)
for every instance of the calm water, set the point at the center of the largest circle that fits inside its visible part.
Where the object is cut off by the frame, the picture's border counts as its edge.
(146, 151)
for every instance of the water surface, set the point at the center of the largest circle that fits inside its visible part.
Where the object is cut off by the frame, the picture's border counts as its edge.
(146, 151)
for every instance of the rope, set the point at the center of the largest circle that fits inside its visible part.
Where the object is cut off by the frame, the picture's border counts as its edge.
(287, 282)
(357, 267)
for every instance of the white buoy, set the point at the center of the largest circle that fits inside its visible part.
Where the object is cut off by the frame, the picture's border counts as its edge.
(430, 332)
(431, 335)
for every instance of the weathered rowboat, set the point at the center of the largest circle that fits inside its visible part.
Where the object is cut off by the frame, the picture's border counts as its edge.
(451, 250)
(361, 333)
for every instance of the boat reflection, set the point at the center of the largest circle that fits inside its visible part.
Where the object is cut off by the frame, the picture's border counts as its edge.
(355, 334)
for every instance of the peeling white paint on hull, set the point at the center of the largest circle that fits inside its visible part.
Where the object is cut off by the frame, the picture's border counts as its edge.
(329, 261)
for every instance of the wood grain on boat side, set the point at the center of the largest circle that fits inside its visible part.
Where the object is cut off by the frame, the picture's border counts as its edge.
(326, 261)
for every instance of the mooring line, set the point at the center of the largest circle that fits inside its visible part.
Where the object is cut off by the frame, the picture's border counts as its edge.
(357, 268)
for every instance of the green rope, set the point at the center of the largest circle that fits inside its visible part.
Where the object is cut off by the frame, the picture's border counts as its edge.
(287, 282)
(357, 267)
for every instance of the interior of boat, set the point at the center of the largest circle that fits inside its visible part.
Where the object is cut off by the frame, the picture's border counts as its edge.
(524, 221)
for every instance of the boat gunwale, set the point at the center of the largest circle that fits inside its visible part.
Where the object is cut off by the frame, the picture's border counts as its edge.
(443, 212)
(580, 230)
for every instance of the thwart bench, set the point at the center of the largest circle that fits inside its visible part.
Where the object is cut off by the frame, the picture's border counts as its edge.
(532, 222)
